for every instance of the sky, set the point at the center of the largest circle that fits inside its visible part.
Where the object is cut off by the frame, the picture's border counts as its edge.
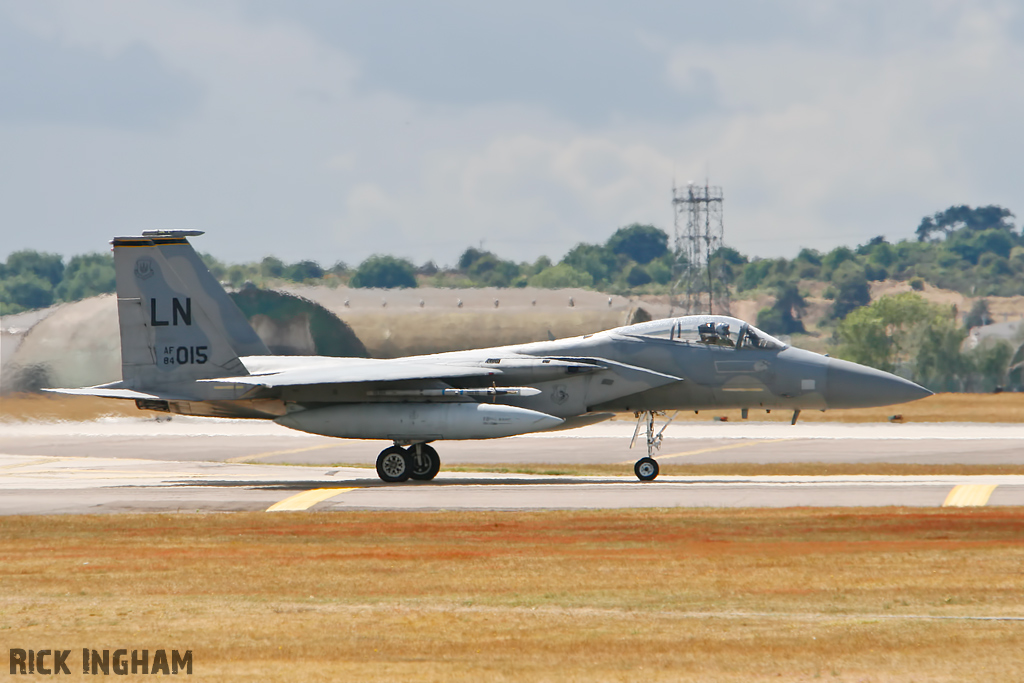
(332, 130)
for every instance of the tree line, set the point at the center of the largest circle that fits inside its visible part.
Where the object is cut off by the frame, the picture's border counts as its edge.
(636, 258)
(976, 251)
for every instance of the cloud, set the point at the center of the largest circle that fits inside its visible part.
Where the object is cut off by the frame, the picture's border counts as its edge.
(44, 81)
(820, 145)
(522, 195)
(333, 130)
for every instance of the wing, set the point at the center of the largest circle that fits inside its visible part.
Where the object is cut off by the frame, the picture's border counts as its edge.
(360, 371)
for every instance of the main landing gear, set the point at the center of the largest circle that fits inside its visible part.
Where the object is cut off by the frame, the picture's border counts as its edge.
(419, 461)
(646, 469)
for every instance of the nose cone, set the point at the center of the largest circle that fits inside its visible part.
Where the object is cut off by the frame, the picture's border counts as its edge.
(849, 385)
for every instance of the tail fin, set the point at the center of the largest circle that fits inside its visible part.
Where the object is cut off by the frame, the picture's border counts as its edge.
(185, 261)
(177, 322)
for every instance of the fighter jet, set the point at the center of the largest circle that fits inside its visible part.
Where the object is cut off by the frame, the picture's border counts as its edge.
(186, 348)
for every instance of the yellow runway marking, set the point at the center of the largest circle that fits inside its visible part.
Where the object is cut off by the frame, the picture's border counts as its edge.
(969, 495)
(741, 444)
(305, 500)
(270, 454)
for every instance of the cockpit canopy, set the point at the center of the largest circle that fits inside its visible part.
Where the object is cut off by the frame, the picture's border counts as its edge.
(710, 330)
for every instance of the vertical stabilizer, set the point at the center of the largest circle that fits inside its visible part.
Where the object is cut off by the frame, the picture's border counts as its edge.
(197, 277)
(173, 329)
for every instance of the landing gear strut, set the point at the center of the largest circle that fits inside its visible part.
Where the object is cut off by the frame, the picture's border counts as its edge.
(646, 469)
(419, 461)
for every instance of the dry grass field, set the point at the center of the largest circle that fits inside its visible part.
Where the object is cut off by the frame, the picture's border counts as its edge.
(24, 407)
(662, 595)
(1004, 407)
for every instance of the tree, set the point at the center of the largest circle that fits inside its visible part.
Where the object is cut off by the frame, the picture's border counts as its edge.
(852, 290)
(870, 245)
(883, 253)
(384, 272)
(600, 261)
(49, 267)
(938, 362)
(807, 263)
(784, 315)
(754, 273)
(659, 271)
(637, 277)
(560, 277)
(303, 271)
(642, 243)
(539, 266)
(25, 291)
(963, 216)
(87, 275)
(469, 257)
(491, 271)
(970, 245)
(884, 333)
(726, 262)
(979, 315)
(762, 272)
(831, 262)
(271, 266)
(863, 339)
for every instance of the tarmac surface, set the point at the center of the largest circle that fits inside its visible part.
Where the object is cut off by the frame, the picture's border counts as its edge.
(197, 464)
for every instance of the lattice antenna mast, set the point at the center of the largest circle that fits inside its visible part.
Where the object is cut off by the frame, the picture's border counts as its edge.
(696, 287)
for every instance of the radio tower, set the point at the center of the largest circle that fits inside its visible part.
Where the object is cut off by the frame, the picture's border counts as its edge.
(697, 285)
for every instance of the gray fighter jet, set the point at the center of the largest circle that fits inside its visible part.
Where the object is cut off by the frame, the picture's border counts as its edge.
(186, 348)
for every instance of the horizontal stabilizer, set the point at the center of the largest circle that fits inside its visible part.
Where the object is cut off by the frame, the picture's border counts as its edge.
(106, 391)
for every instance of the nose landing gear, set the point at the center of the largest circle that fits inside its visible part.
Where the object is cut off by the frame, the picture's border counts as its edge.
(646, 469)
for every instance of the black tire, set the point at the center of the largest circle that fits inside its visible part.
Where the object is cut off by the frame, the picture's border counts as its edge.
(646, 469)
(394, 465)
(425, 466)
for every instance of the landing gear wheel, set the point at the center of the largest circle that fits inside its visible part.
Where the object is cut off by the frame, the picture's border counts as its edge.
(394, 465)
(646, 469)
(424, 460)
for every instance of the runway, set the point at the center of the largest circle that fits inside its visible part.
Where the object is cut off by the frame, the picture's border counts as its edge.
(195, 464)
